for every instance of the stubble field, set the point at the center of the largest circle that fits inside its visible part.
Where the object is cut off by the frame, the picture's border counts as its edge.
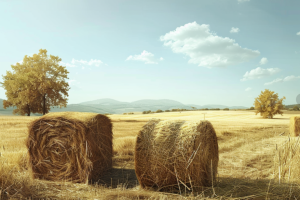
(248, 161)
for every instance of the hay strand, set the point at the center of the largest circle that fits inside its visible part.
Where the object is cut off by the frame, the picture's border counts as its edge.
(171, 154)
(70, 146)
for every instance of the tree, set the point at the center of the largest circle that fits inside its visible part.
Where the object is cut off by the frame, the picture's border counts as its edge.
(268, 104)
(36, 84)
(19, 94)
(251, 108)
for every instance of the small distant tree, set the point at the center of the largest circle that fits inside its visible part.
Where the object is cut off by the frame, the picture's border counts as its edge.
(167, 110)
(159, 111)
(252, 108)
(147, 112)
(268, 104)
(226, 109)
(296, 108)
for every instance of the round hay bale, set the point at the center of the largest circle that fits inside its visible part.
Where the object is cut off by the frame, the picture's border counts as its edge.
(70, 146)
(295, 126)
(174, 154)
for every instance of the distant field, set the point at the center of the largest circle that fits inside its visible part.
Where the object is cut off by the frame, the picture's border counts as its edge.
(247, 147)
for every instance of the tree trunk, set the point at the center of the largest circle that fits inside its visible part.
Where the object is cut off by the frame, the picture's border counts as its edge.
(28, 110)
(44, 104)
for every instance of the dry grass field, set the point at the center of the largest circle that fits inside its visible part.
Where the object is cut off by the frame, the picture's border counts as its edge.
(251, 151)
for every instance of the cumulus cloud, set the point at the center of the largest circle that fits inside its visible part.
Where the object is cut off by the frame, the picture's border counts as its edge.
(298, 33)
(259, 73)
(288, 78)
(161, 58)
(74, 85)
(248, 89)
(66, 64)
(263, 61)
(75, 63)
(146, 57)
(234, 30)
(96, 63)
(205, 48)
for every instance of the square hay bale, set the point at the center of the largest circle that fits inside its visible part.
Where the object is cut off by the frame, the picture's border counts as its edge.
(176, 155)
(295, 126)
(70, 146)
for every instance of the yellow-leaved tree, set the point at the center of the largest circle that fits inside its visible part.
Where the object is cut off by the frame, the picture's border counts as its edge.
(268, 104)
(36, 84)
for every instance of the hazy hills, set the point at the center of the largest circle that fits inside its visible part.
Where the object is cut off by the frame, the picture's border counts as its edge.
(112, 106)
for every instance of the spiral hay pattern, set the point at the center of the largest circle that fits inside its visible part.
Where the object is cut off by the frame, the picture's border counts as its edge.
(176, 155)
(70, 146)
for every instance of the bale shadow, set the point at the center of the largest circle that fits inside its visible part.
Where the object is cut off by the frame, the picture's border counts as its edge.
(255, 188)
(117, 177)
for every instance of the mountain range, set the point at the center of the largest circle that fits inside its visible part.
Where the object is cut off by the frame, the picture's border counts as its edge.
(112, 106)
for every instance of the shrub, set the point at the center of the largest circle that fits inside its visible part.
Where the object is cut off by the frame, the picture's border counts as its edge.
(159, 111)
(226, 109)
(291, 109)
(167, 110)
(295, 108)
(252, 108)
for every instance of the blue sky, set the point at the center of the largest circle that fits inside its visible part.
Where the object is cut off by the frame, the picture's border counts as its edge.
(193, 51)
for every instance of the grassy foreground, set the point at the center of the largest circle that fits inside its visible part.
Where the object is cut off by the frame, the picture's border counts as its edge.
(253, 158)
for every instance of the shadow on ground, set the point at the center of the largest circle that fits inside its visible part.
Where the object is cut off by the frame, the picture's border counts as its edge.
(117, 177)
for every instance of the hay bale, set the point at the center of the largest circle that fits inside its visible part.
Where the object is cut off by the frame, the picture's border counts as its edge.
(295, 125)
(177, 154)
(70, 146)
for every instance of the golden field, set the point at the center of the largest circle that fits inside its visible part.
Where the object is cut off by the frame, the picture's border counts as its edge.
(251, 160)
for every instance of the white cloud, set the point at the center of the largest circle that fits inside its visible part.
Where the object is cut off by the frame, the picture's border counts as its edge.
(248, 89)
(161, 58)
(145, 56)
(234, 30)
(298, 33)
(97, 63)
(66, 64)
(274, 81)
(204, 48)
(74, 85)
(74, 63)
(243, 0)
(263, 61)
(259, 73)
(288, 78)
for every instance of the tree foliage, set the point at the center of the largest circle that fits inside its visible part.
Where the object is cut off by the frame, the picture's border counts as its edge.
(36, 84)
(268, 104)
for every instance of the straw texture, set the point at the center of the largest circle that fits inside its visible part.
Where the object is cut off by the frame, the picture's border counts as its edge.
(176, 154)
(295, 126)
(70, 146)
